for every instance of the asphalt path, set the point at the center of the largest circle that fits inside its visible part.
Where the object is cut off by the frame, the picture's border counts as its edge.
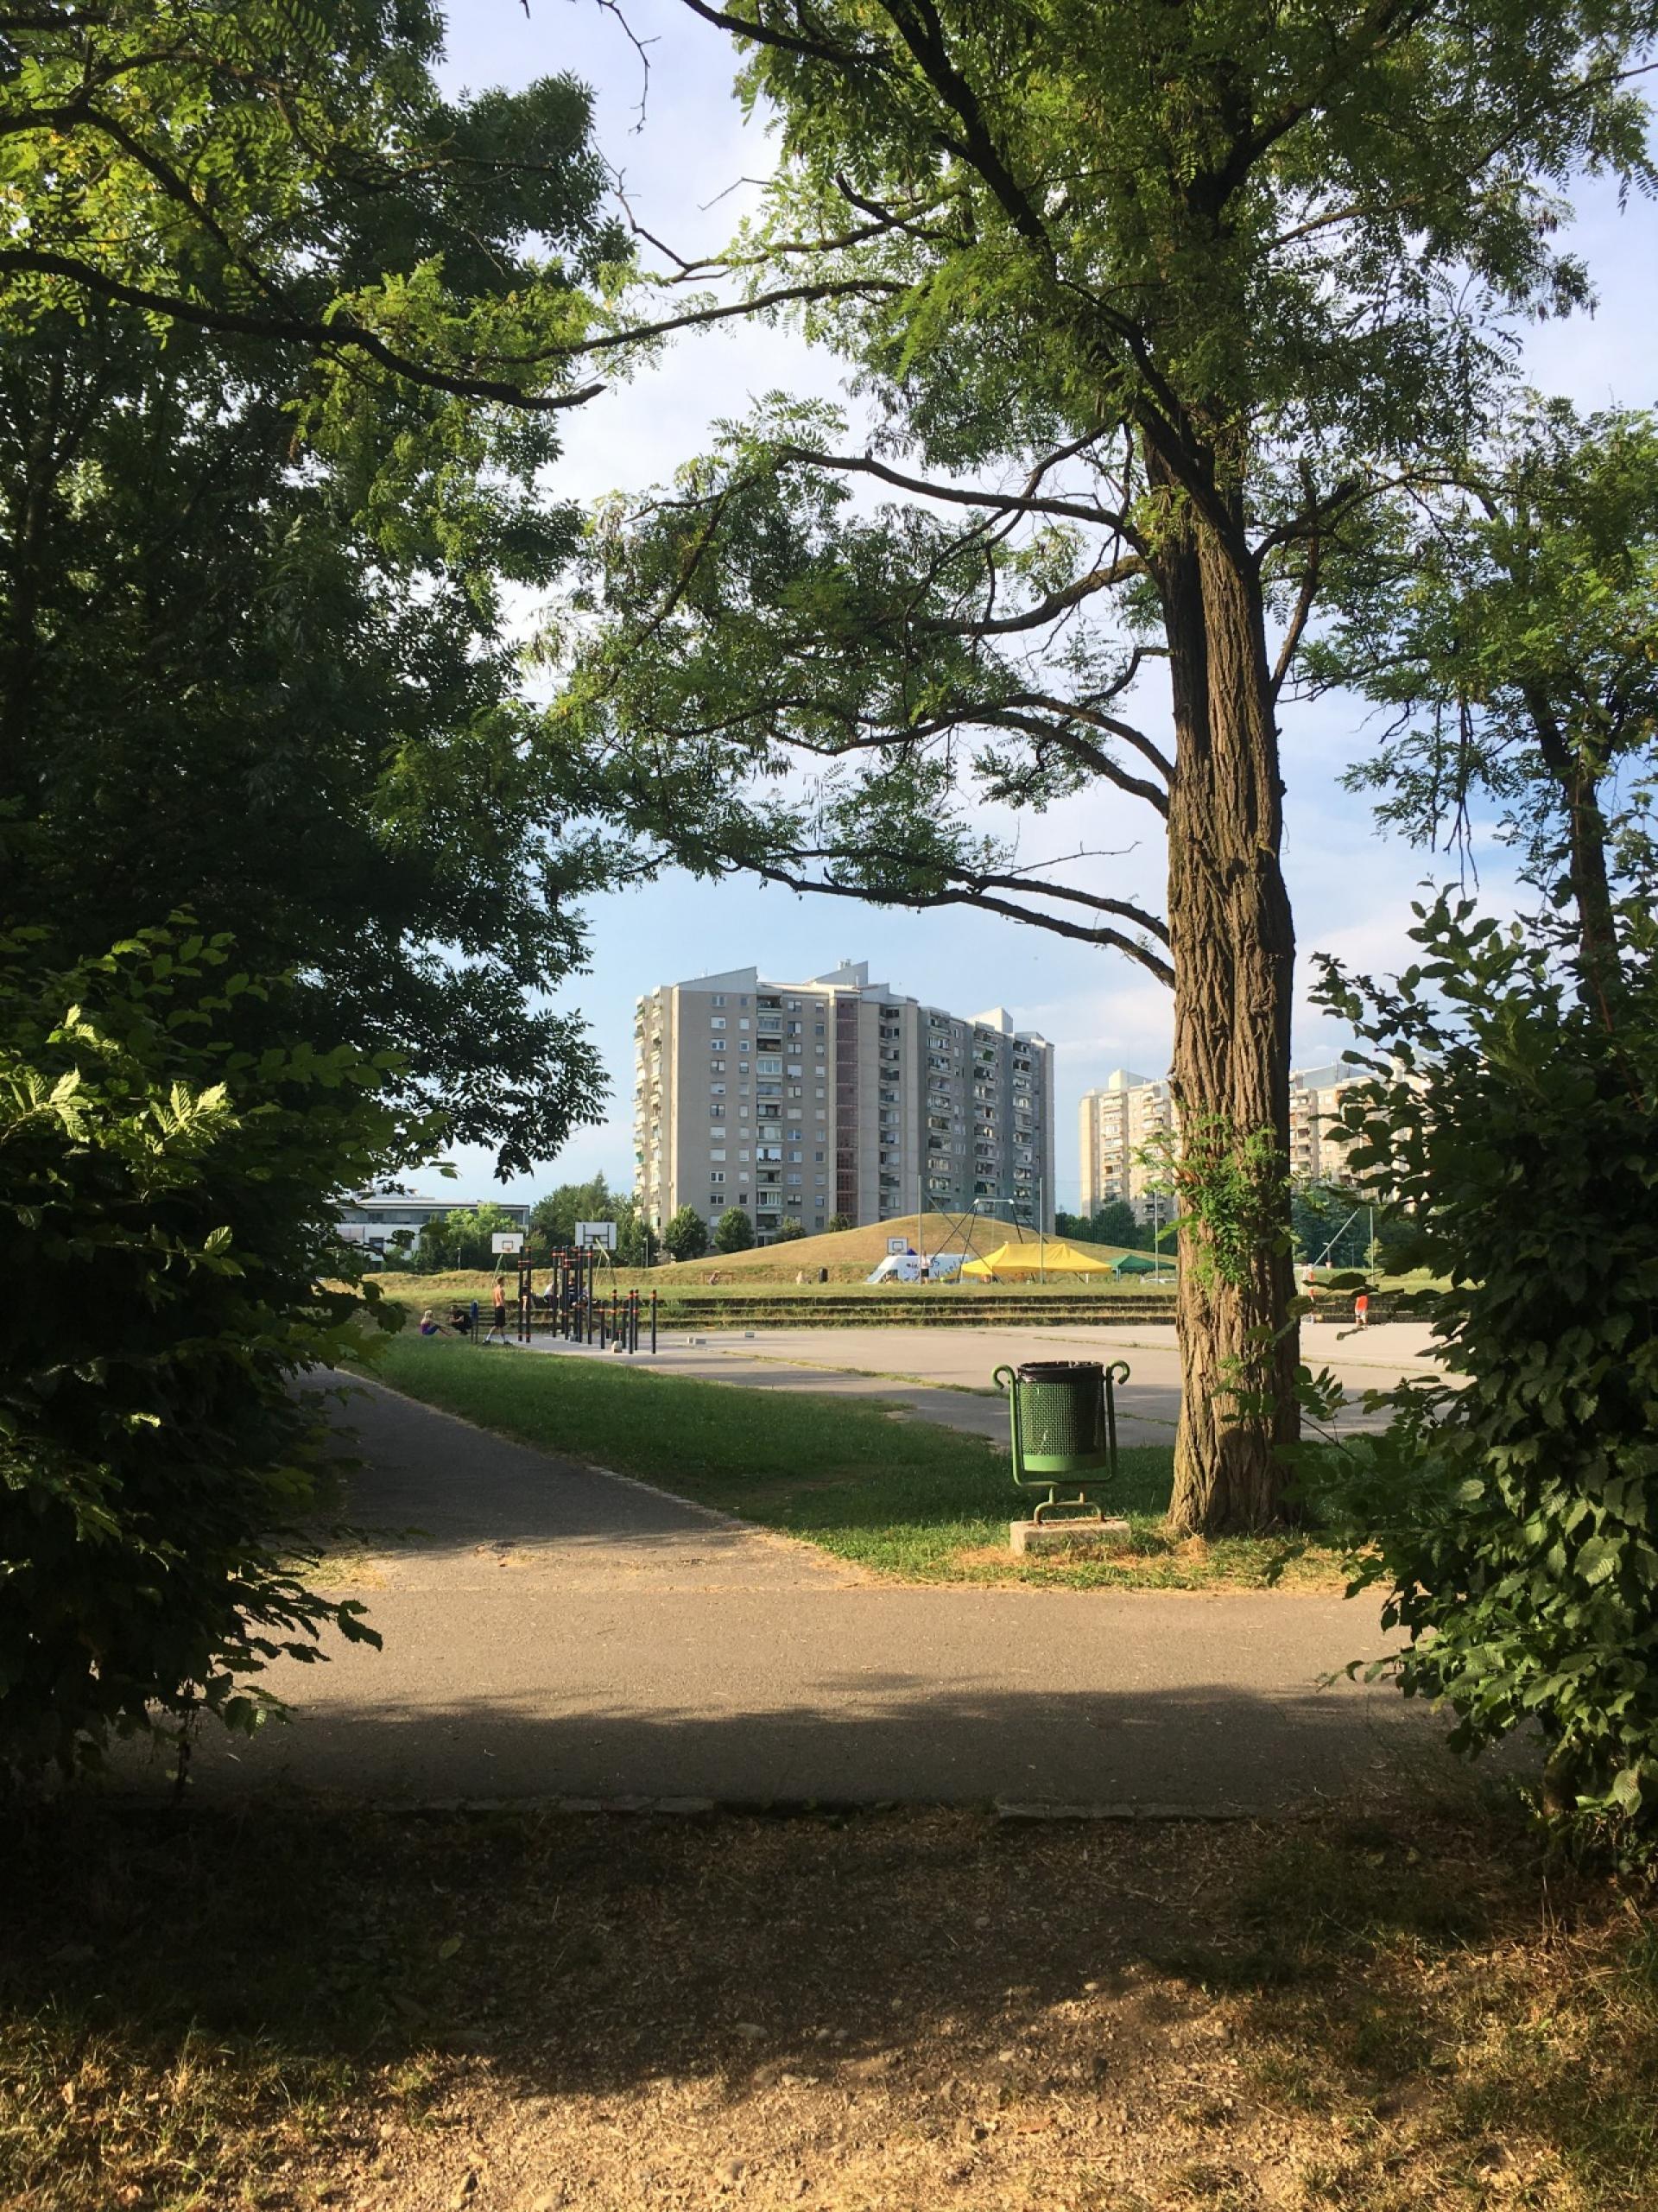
(554, 1632)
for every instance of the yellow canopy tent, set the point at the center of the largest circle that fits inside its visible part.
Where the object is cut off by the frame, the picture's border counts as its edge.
(1044, 1256)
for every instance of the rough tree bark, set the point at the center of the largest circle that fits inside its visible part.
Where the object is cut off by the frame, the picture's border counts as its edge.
(1234, 949)
(1578, 772)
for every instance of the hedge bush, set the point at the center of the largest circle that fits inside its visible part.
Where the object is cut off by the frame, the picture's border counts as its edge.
(166, 1228)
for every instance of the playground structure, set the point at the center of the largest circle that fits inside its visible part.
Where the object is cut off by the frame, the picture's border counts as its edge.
(583, 1303)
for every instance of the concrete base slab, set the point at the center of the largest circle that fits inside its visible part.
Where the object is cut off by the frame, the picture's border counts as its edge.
(1034, 1537)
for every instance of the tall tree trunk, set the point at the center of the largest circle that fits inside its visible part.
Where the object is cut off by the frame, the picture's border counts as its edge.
(1576, 771)
(1234, 952)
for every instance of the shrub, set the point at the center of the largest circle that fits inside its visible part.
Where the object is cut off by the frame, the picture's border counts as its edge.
(788, 1231)
(1514, 1511)
(167, 1224)
(837, 1222)
(686, 1234)
(734, 1232)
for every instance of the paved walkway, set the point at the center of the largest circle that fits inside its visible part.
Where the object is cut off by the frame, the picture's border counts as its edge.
(559, 1632)
(944, 1374)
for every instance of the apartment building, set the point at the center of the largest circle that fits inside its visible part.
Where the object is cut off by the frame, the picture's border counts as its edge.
(1118, 1120)
(1317, 1152)
(1116, 1123)
(835, 1096)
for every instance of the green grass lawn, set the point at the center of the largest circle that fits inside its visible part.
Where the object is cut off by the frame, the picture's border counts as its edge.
(901, 1496)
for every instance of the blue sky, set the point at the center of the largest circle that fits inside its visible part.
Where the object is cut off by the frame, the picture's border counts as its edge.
(686, 173)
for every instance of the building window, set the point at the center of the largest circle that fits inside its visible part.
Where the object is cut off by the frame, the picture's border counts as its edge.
(719, 1000)
(716, 1175)
(717, 1021)
(716, 1154)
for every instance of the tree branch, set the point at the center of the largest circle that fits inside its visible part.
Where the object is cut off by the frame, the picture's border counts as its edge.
(340, 334)
(1006, 503)
(1097, 762)
(984, 900)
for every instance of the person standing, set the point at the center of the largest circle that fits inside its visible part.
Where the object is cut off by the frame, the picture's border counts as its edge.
(498, 1313)
(1310, 1285)
(1361, 1309)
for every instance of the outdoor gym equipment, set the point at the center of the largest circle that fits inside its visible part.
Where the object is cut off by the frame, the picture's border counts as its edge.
(1063, 1414)
(573, 1306)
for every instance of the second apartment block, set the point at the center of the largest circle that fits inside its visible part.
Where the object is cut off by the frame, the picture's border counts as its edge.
(1119, 1119)
(835, 1096)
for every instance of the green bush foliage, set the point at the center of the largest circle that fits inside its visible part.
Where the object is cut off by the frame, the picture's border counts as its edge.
(734, 1232)
(1514, 1508)
(686, 1234)
(166, 1223)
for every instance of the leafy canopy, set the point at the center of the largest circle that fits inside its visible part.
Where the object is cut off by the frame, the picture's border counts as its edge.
(1504, 621)
(280, 687)
(294, 175)
(1104, 277)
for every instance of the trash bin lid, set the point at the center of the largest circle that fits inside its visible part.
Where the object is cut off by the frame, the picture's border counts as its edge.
(1061, 1371)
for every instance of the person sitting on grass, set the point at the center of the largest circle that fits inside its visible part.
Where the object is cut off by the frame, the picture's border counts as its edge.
(430, 1326)
(460, 1322)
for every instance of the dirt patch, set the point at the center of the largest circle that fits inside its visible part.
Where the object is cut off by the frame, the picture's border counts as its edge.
(874, 2014)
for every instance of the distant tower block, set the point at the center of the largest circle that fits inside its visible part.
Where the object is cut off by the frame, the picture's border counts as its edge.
(802, 1100)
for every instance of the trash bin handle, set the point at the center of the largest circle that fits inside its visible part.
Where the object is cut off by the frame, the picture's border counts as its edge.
(1007, 1381)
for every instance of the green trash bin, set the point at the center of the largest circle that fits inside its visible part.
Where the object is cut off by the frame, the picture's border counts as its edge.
(1063, 1417)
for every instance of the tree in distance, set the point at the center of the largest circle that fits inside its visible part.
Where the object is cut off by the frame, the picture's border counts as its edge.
(1114, 1223)
(837, 1223)
(734, 1232)
(553, 1217)
(686, 1234)
(1142, 305)
(462, 1238)
(788, 1231)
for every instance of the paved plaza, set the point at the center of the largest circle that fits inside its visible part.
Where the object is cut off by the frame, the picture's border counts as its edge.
(944, 1374)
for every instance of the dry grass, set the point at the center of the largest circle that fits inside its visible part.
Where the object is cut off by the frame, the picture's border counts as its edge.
(850, 1255)
(291, 2009)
